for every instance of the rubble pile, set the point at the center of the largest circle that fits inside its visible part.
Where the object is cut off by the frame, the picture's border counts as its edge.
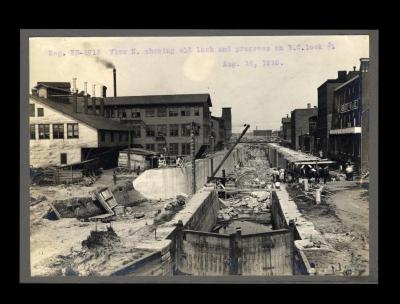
(170, 209)
(100, 239)
(253, 203)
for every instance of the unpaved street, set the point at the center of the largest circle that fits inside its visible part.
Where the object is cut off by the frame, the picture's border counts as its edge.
(343, 220)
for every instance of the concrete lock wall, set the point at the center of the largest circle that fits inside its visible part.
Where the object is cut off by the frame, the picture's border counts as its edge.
(167, 183)
(205, 254)
(205, 216)
(267, 254)
(300, 262)
(211, 254)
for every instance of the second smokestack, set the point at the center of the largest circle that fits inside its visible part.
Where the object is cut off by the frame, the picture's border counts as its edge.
(115, 81)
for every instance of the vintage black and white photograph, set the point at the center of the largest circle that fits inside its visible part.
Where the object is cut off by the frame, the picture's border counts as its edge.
(206, 156)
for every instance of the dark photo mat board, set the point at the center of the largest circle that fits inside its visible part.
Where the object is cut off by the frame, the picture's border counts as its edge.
(25, 276)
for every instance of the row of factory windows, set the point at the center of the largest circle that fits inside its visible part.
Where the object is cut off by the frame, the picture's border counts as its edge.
(43, 131)
(173, 148)
(39, 111)
(348, 120)
(347, 94)
(161, 130)
(152, 112)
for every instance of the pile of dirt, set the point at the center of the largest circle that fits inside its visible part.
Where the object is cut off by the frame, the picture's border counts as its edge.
(101, 239)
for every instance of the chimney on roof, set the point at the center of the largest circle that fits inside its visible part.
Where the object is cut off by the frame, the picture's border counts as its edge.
(354, 68)
(102, 107)
(85, 104)
(309, 106)
(94, 105)
(342, 76)
(364, 64)
(104, 95)
(115, 81)
(287, 115)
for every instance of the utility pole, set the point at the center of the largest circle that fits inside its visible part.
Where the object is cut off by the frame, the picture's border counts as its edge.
(129, 149)
(192, 146)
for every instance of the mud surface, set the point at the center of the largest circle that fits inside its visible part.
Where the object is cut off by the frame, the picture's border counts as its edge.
(343, 220)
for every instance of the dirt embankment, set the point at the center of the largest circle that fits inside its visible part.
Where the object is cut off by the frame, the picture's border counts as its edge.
(53, 240)
(342, 218)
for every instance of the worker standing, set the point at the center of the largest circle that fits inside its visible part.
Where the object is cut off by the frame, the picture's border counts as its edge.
(114, 177)
(326, 174)
(349, 171)
(282, 175)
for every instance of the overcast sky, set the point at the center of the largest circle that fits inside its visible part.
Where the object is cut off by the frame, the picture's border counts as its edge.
(259, 95)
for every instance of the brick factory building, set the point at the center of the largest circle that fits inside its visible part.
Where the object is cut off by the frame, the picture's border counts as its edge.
(300, 124)
(287, 129)
(162, 123)
(325, 108)
(308, 141)
(218, 133)
(350, 120)
(265, 133)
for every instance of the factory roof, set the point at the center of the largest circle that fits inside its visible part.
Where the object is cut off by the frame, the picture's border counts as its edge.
(346, 83)
(96, 121)
(180, 99)
(59, 86)
(217, 118)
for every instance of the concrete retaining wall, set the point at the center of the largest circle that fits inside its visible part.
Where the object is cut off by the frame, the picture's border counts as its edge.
(211, 254)
(169, 182)
(281, 219)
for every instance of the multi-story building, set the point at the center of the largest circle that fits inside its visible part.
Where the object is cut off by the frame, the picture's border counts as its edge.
(162, 123)
(61, 135)
(218, 133)
(286, 129)
(69, 127)
(348, 139)
(300, 124)
(265, 133)
(325, 108)
(307, 141)
(227, 117)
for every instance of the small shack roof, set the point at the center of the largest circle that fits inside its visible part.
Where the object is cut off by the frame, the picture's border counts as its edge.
(139, 151)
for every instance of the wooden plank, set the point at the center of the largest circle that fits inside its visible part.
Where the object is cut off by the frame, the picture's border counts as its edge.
(55, 211)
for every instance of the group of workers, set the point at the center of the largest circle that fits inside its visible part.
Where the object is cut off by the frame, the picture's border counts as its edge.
(313, 173)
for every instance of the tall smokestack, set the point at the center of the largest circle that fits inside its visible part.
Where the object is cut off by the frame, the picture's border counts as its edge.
(115, 82)
(74, 84)
(104, 94)
(85, 86)
(94, 91)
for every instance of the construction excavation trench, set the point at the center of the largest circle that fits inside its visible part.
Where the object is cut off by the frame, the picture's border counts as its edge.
(239, 223)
